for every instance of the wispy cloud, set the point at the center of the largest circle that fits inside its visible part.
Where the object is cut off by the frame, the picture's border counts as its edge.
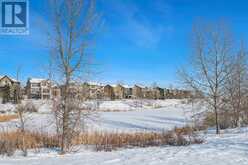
(137, 25)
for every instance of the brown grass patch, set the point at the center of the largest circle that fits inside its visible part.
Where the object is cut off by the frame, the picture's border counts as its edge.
(5, 118)
(99, 141)
(104, 141)
(33, 140)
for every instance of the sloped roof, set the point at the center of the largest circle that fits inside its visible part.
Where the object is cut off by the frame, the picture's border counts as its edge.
(95, 83)
(36, 80)
(139, 85)
(14, 80)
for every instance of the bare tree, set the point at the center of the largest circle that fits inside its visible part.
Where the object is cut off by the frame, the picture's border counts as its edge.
(236, 87)
(212, 49)
(21, 110)
(74, 23)
(17, 92)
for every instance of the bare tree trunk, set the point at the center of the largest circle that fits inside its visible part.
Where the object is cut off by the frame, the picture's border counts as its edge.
(210, 65)
(74, 23)
(216, 119)
(21, 109)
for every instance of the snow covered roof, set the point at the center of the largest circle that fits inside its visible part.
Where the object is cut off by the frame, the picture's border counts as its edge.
(95, 83)
(139, 85)
(14, 80)
(123, 85)
(36, 80)
(126, 86)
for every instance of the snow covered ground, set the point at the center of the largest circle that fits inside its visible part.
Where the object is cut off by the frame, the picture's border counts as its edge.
(170, 113)
(230, 148)
(44, 106)
(130, 104)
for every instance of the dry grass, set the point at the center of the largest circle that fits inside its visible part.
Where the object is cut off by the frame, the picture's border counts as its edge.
(33, 140)
(103, 141)
(100, 141)
(5, 118)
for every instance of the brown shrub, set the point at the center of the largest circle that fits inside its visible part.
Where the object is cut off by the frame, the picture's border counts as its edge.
(100, 141)
(7, 147)
(33, 140)
(30, 107)
(5, 118)
(226, 120)
(103, 141)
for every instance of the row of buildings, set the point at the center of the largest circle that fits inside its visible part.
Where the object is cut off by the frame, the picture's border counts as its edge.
(45, 89)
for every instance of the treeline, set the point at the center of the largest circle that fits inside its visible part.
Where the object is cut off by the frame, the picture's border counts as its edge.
(219, 72)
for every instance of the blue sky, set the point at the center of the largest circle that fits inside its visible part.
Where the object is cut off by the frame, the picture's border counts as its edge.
(142, 41)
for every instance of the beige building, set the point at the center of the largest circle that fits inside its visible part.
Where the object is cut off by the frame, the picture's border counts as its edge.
(157, 93)
(137, 92)
(56, 91)
(108, 91)
(147, 93)
(96, 90)
(10, 90)
(39, 88)
(128, 91)
(119, 91)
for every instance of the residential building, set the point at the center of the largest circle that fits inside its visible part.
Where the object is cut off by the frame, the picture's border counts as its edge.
(147, 93)
(137, 91)
(10, 90)
(127, 91)
(157, 93)
(96, 90)
(108, 92)
(56, 91)
(119, 91)
(39, 88)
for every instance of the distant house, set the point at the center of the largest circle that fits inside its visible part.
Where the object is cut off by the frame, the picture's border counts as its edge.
(157, 93)
(137, 92)
(56, 91)
(73, 91)
(108, 92)
(147, 93)
(127, 91)
(85, 91)
(95, 90)
(39, 88)
(119, 91)
(166, 93)
(10, 89)
(186, 94)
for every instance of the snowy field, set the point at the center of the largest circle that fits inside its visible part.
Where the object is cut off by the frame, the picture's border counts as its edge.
(153, 116)
(229, 148)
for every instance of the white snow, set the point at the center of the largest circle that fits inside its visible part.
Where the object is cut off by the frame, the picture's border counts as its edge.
(7, 108)
(229, 148)
(122, 116)
(144, 120)
(130, 105)
(36, 80)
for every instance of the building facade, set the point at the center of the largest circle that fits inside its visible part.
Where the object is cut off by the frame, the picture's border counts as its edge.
(119, 91)
(10, 90)
(137, 92)
(39, 88)
(108, 92)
